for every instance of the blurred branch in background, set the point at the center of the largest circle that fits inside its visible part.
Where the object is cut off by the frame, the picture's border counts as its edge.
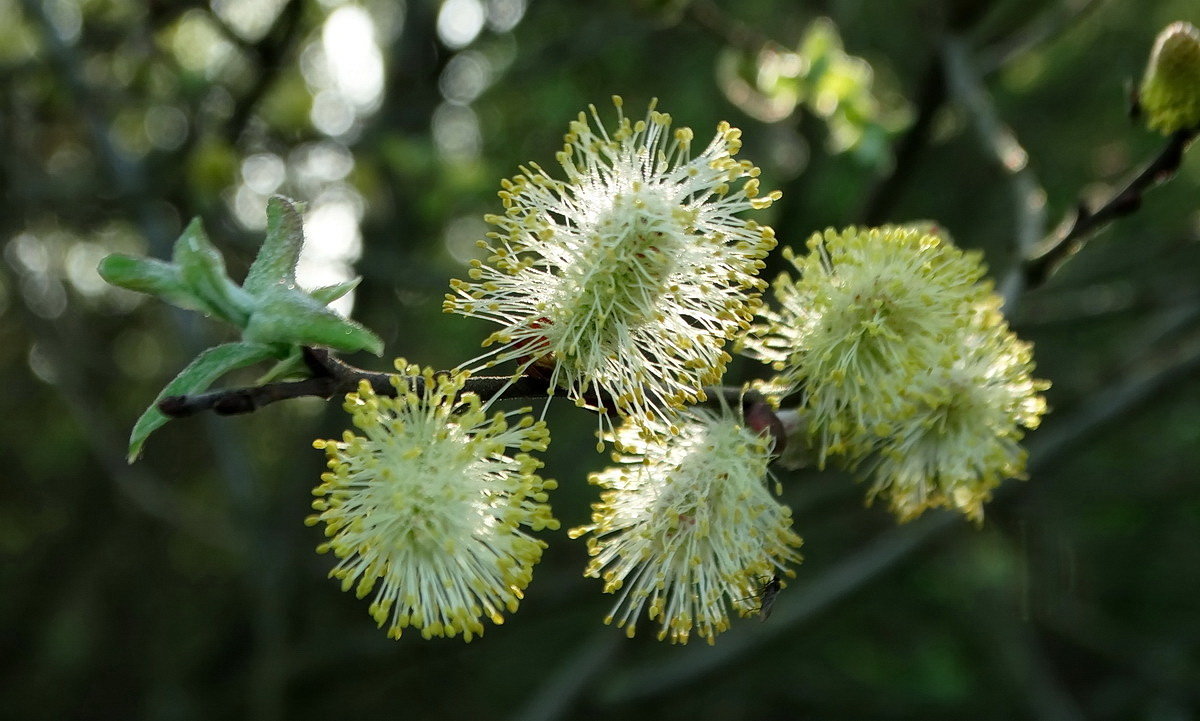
(1029, 198)
(931, 94)
(269, 56)
(1019, 649)
(1035, 257)
(126, 177)
(555, 697)
(734, 33)
(1045, 27)
(886, 192)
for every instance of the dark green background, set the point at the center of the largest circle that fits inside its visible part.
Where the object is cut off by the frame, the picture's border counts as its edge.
(186, 586)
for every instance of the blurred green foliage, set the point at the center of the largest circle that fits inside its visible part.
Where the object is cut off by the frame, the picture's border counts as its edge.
(186, 586)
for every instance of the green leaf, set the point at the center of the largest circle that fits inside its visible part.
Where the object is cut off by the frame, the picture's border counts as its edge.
(154, 277)
(203, 270)
(329, 293)
(199, 375)
(288, 315)
(291, 366)
(276, 260)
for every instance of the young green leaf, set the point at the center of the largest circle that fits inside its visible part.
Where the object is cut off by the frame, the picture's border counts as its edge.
(203, 270)
(276, 260)
(291, 366)
(197, 376)
(288, 315)
(329, 293)
(154, 277)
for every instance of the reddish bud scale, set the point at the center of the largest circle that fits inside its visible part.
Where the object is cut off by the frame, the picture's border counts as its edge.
(761, 418)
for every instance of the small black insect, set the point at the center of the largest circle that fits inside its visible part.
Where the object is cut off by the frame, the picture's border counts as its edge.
(766, 595)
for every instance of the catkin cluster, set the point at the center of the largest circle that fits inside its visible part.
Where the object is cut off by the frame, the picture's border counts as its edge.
(903, 365)
(622, 277)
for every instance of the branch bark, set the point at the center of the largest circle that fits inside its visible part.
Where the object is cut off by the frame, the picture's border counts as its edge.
(1075, 231)
(333, 377)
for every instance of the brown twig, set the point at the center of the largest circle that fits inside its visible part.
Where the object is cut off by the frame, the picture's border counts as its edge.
(1054, 250)
(334, 377)
(1038, 259)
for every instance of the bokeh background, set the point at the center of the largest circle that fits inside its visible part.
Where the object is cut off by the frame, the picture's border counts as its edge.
(186, 586)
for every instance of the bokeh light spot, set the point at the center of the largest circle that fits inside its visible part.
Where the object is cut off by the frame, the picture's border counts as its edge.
(459, 22)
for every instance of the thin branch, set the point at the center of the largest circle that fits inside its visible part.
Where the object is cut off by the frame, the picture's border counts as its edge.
(334, 377)
(339, 379)
(1075, 231)
(1045, 28)
(1038, 259)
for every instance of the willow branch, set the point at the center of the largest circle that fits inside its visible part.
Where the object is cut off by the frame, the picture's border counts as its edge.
(1075, 231)
(334, 377)
(1038, 259)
